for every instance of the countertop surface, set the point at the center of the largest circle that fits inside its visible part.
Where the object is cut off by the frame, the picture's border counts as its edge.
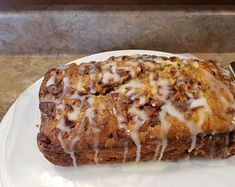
(19, 72)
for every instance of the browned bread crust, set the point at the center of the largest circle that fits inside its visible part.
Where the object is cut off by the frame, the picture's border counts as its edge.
(133, 108)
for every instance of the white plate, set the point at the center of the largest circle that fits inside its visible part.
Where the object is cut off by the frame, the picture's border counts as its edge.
(22, 165)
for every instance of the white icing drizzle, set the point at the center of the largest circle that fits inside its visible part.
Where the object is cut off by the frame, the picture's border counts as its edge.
(163, 88)
(142, 100)
(96, 149)
(189, 95)
(164, 129)
(72, 155)
(186, 61)
(194, 129)
(60, 106)
(164, 143)
(213, 133)
(51, 81)
(116, 76)
(217, 86)
(93, 90)
(135, 137)
(73, 140)
(193, 143)
(139, 118)
(132, 85)
(90, 114)
(160, 88)
(93, 77)
(129, 69)
(156, 151)
(160, 60)
(125, 152)
(61, 125)
(107, 75)
(121, 120)
(131, 63)
(73, 115)
(201, 114)
(66, 85)
(223, 71)
(80, 84)
(132, 73)
(139, 115)
(200, 102)
(151, 65)
(130, 92)
(70, 149)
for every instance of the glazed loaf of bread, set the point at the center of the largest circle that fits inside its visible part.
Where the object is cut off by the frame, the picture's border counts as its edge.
(133, 108)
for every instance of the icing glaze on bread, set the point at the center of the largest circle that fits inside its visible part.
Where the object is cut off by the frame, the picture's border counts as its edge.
(137, 107)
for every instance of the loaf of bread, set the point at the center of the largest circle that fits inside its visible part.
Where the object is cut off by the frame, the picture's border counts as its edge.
(136, 108)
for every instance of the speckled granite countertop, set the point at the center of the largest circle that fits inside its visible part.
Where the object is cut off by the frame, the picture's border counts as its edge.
(19, 72)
